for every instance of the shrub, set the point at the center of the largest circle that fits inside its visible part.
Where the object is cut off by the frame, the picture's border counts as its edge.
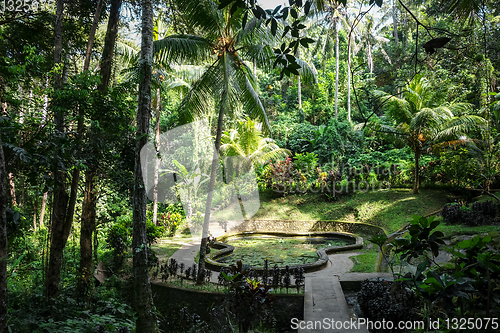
(153, 232)
(119, 240)
(339, 140)
(384, 300)
(479, 213)
(305, 163)
(279, 175)
(299, 140)
(171, 221)
(457, 168)
(452, 213)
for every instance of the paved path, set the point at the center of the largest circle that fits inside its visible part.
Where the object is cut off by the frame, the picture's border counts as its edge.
(324, 299)
(188, 251)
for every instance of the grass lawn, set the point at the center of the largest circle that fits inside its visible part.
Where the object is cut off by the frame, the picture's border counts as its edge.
(389, 209)
(365, 263)
(166, 247)
(458, 229)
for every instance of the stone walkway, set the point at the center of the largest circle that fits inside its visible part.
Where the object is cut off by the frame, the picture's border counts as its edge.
(325, 300)
(188, 251)
(323, 296)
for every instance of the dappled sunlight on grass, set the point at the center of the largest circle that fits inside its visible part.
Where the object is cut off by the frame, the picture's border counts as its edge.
(389, 209)
(166, 247)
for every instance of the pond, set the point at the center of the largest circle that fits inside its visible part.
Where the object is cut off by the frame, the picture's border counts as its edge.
(279, 251)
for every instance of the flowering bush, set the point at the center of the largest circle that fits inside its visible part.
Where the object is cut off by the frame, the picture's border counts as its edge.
(171, 222)
(280, 175)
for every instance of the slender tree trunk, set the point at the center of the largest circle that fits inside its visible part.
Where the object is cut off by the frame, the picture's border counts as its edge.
(109, 43)
(146, 317)
(395, 22)
(157, 161)
(349, 78)
(96, 245)
(323, 50)
(93, 29)
(213, 173)
(42, 211)
(88, 225)
(299, 83)
(75, 178)
(3, 239)
(12, 189)
(89, 199)
(35, 213)
(416, 184)
(45, 100)
(336, 66)
(370, 58)
(59, 229)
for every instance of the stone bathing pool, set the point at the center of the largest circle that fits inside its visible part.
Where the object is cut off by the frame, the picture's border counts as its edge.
(306, 250)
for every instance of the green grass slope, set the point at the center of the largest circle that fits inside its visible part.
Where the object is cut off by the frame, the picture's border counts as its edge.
(389, 209)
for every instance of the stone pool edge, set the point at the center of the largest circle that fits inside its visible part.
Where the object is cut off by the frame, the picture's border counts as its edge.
(223, 249)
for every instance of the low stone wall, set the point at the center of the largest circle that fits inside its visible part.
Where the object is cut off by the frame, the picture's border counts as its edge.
(222, 249)
(169, 299)
(303, 226)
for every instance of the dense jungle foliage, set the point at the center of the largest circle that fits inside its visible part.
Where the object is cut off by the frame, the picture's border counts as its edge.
(317, 98)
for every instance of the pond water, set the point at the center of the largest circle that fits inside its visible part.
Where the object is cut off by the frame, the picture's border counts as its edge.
(279, 251)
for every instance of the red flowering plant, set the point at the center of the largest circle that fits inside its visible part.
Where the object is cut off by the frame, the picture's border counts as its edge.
(280, 176)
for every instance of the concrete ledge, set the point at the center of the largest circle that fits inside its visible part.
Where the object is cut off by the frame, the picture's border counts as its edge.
(224, 249)
(352, 281)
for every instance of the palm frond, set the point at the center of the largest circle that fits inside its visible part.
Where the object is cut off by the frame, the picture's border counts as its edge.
(262, 54)
(254, 31)
(203, 90)
(459, 109)
(465, 10)
(308, 72)
(396, 108)
(231, 149)
(459, 126)
(203, 15)
(189, 73)
(267, 152)
(182, 49)
(127, 53)
(249, 97)
(246, 141)
(427, 118)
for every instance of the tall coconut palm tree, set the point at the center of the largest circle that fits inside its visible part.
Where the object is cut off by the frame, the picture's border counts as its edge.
(334, 15)
(143, 301)
(228, 82)
(369, 33)
(422, 123)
